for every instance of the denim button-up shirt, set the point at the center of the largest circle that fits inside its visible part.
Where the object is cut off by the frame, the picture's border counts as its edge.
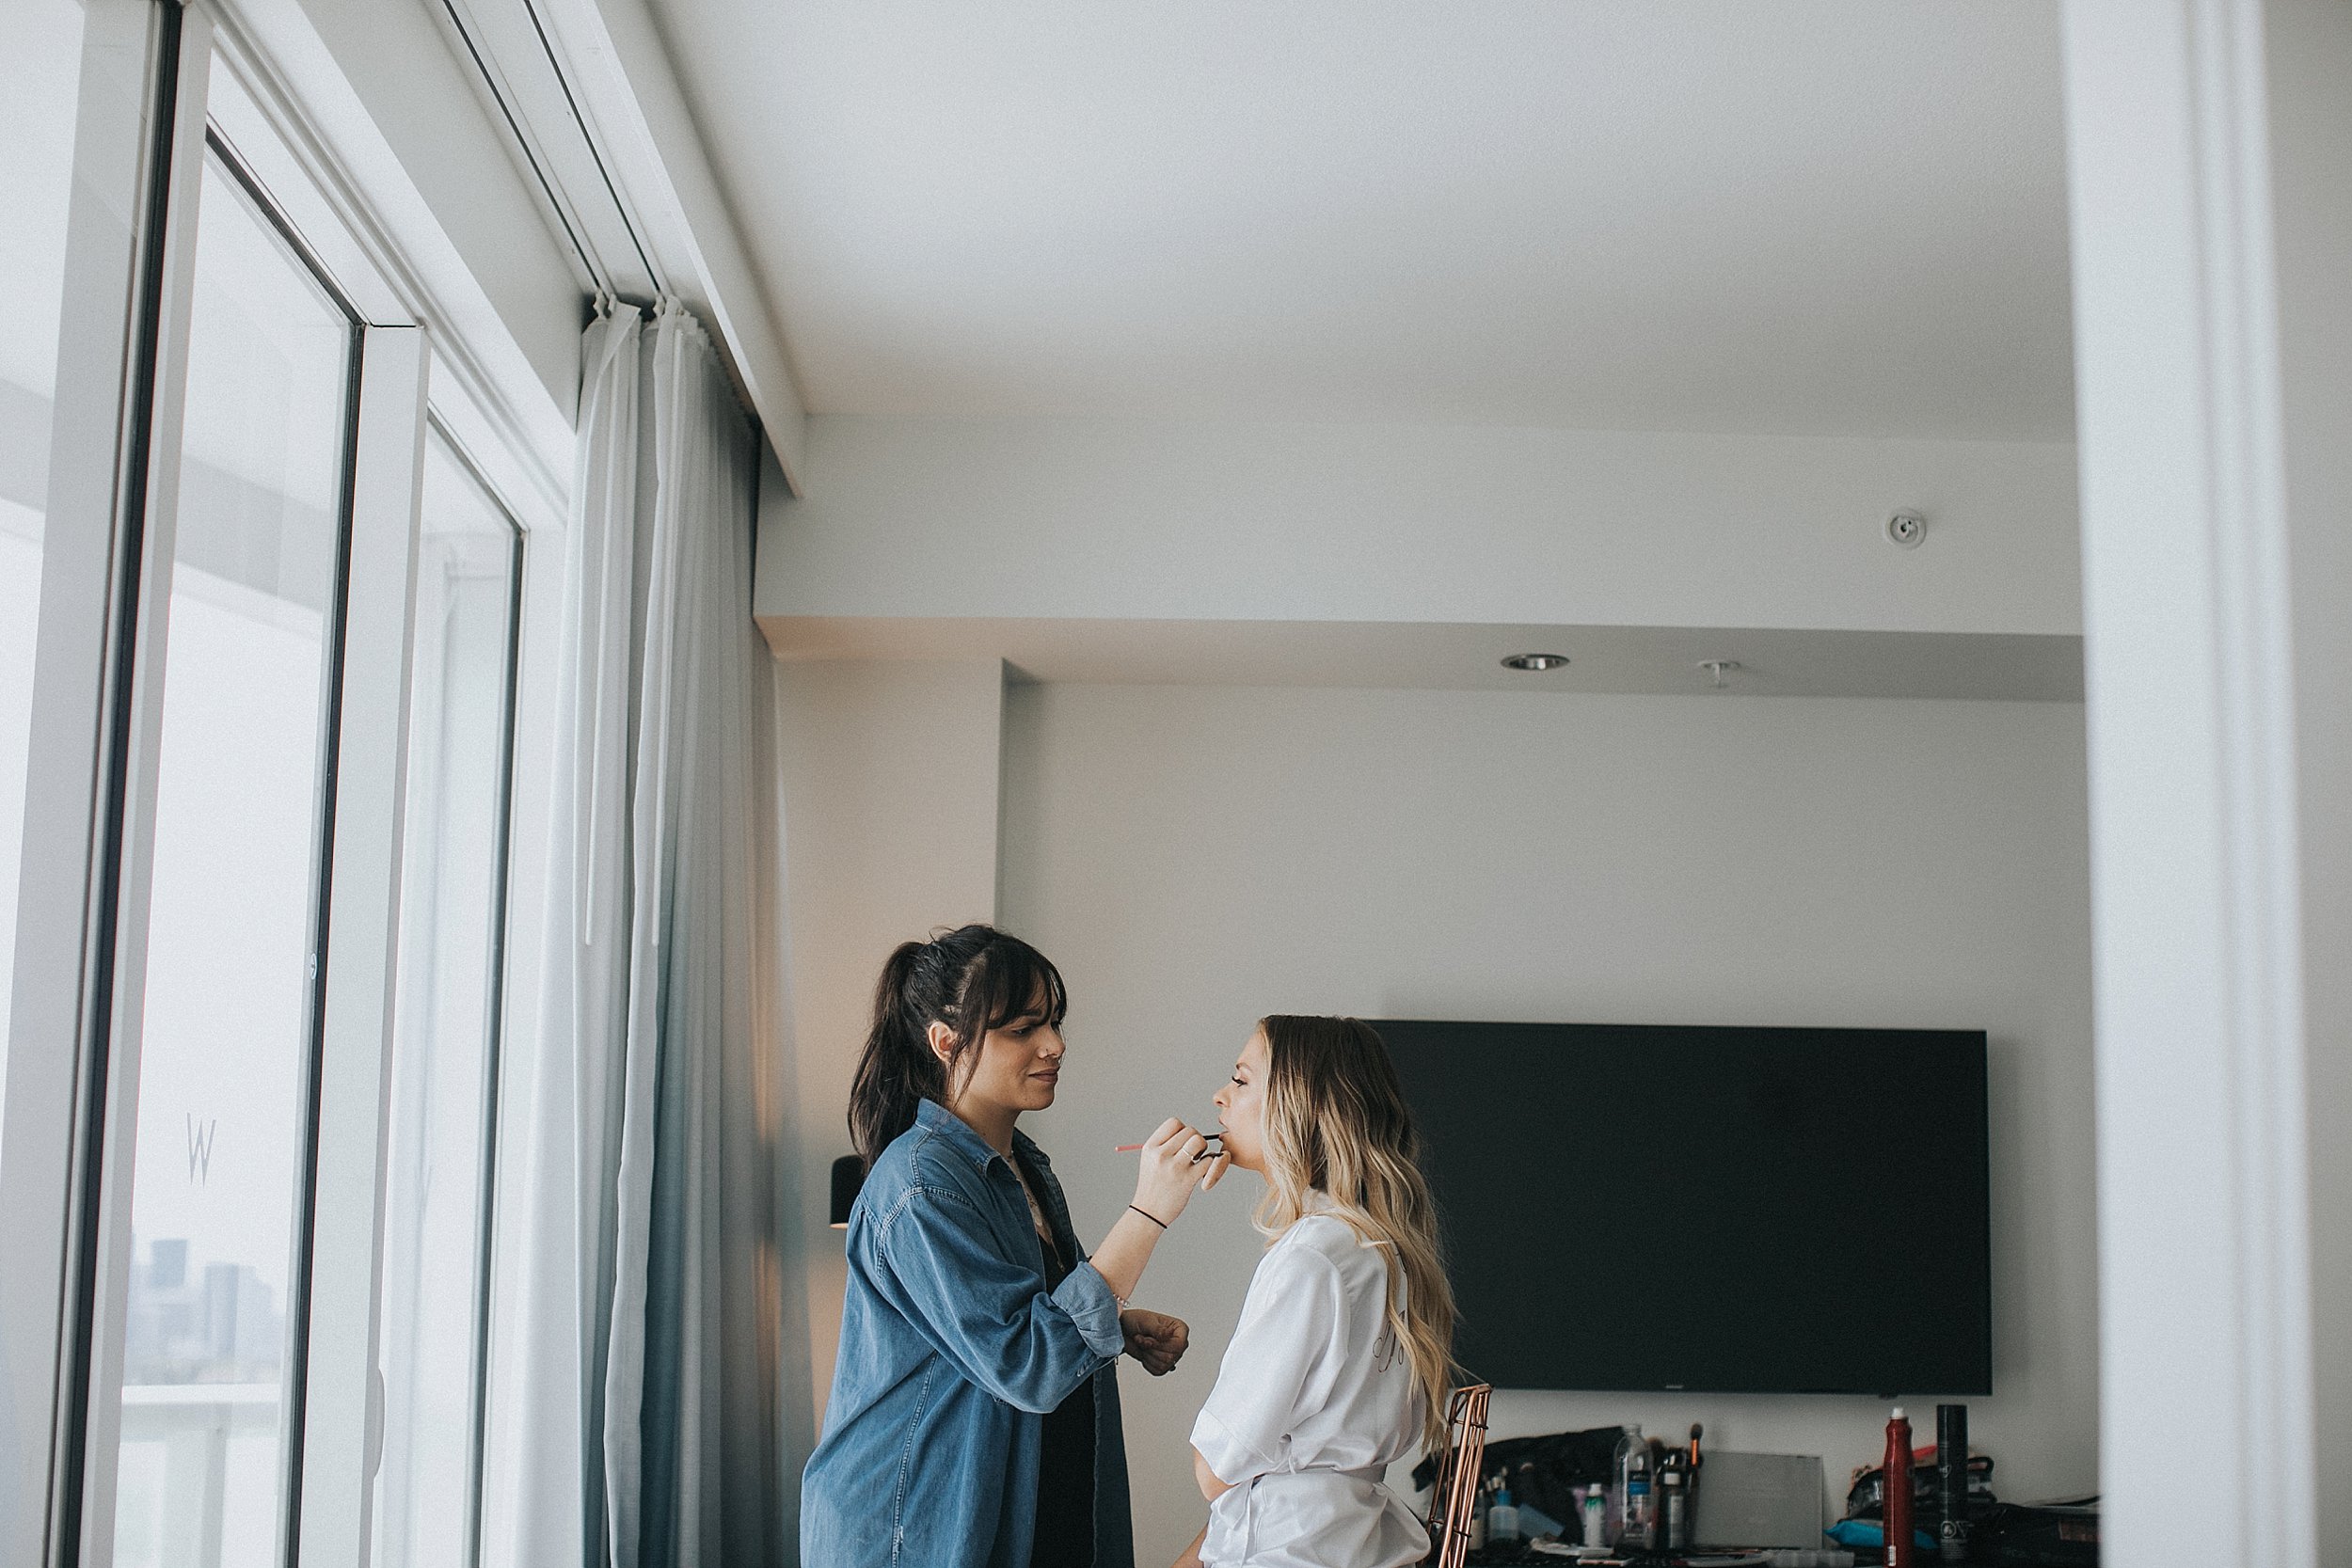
(952, 1351)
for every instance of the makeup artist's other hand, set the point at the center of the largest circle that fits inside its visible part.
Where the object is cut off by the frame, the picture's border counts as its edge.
(1172, 1168)
(1154, 1338)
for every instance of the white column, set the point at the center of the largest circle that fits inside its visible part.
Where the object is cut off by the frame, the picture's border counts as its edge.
(890, 776)
(2210, 150)
(2311, 146)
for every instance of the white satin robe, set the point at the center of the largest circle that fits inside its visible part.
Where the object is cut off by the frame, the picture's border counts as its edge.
(1315, 1398)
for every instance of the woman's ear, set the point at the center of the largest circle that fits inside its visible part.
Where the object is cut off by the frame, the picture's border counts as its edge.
(942, 1040)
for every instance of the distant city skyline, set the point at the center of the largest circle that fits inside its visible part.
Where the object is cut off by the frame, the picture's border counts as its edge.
(196, 1320)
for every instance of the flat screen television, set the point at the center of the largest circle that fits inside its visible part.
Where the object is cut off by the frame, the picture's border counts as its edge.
(1721, 1209)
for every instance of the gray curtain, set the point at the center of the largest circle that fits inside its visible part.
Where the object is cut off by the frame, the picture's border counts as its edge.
(649, 1290)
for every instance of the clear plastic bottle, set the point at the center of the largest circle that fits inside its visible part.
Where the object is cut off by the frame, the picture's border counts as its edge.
(1503, 1520)
(1629, 1512)
(1641, 1506)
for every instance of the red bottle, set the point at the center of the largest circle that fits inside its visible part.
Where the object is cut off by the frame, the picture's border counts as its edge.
(1902, 1551)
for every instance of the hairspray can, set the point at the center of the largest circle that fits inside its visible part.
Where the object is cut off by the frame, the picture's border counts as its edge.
(1951, 1480)
(1674, 1507)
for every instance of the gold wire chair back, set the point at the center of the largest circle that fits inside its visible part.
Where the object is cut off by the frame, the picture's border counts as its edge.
(1454, 1497)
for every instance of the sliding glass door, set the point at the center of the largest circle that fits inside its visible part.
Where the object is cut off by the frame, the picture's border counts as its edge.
(258, 651)
(237, 894)
(445, 1055)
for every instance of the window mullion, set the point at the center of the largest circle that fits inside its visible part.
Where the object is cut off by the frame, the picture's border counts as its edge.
(341, 1426)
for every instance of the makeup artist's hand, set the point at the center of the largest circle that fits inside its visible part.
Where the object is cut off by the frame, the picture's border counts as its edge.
(1154, 1338)
(1172, 1168)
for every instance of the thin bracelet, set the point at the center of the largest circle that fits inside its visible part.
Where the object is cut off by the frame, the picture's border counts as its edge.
(1153, 1218)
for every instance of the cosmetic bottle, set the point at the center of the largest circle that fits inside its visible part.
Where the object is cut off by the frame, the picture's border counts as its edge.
(1596, 1512)
(1503, 1520)
(1901, 1550)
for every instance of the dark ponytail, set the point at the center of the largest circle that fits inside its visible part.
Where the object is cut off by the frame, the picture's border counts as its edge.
(973, 979)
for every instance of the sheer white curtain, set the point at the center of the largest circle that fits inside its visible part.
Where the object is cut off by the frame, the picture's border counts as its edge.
(643, 1431)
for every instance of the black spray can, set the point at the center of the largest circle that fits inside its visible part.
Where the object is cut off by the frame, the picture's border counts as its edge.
(1951, 1480)
(1673, 1525)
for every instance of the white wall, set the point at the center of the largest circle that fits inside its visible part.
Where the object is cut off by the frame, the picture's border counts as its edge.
(2213, 319)
(1146, 519)
(1195, 857)
(890, 805)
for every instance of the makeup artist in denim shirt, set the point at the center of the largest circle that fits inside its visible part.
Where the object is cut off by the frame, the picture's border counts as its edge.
(974, 1421)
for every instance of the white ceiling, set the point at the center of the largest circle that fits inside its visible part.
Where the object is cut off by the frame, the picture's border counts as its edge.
(1808, 216)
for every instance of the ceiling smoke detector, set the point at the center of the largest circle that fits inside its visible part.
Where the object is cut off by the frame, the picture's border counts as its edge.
(1906, 529)
(1534, 661)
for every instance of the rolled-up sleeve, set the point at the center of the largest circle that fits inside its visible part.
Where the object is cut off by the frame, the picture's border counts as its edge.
(1288, 1327)
(1085, 1295)
(990, 1316)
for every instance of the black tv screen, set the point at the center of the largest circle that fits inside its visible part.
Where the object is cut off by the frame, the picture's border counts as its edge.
(1721, 1209)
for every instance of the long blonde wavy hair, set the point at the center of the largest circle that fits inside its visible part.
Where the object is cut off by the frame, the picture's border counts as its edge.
(1336, 1123)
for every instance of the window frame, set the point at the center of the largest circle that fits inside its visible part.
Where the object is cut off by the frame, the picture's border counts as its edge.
(129, 120)
(325, 1466)
(144, 124)
(494, 1053)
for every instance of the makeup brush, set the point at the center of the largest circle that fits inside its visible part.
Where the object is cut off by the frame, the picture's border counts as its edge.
(1130, 1148)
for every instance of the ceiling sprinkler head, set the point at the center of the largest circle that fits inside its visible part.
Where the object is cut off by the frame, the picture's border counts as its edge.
(1719, 668)
(1534, 661)
(1906, 529)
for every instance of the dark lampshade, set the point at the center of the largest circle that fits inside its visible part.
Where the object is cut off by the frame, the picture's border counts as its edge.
(849, 1175)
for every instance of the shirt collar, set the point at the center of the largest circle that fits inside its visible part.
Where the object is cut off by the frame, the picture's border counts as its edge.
(1317, 1201)
(946, 1123)
(942, 1122)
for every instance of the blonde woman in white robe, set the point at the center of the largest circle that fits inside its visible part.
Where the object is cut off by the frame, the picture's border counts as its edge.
(1342, 1362)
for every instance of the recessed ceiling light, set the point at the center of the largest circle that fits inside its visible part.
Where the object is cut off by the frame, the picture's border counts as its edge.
(1534, 661)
